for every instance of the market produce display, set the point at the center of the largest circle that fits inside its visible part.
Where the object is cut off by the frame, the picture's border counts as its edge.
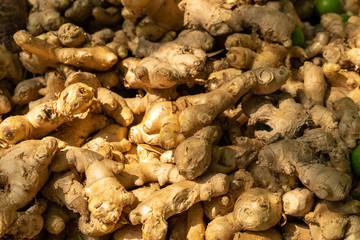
(180, 119)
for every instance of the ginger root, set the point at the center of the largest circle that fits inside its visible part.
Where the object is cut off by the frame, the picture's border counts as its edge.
(167, 123)
(73, 102)
(99, 58)
(174, 199)
(256, 209)
(332, 217)
(295, 157)
(23, 172)
(104, 206)
(193, 155)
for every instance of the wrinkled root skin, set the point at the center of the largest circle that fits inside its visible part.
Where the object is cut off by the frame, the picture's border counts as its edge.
(23, 171)
(174, 199)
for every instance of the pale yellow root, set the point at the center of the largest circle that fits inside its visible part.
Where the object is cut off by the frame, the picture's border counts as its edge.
(226, 159)
(319, 41)
(314, 83)
(107, 16)
(119, 44)
(108, 79)
(338, 77)
(216, 79)
(256, 209)
(333, 23)
(116, 135)
(285, 119)
(195, 223)
(10, 66)
(73, 76)
(353, 227)
(294, 157)
(206, 106)
(24, 177)
(298, 202)
(99, 58)
(222, 205)
(332, 217)
(106, 195)
(73, 102)
(193, 155)
(160, 118)
(271, 55)
(137, 174)
(76, 132)
(242, 40)
(353, 55)
(174, 199)
(172, 20)
(352, 30)
(65, 189)
(115, 106)
(178, 226)
(349, 121)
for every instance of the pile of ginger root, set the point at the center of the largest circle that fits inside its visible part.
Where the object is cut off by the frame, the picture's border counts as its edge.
(179, 119)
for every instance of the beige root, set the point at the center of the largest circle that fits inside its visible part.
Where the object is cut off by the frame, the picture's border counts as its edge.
(298, 202)
(10, 66)
(193, 155)
(29, 223)
(23, 178)
(286, 119)
(76, 132)
(179, 197)
(65, 189)
(115, 106)
(99, 58)
(294, 157)
(222, 205)
(71, 35)
(352, 228)
(314, 83)
(137, 174)
(154, 10)
(190, 113)
(73, 102)
(332, 217)
(256, 209)
(264, 55)
(128, 233)
(104, 206)
(111, 142)
(226, 159)
(195, 222)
